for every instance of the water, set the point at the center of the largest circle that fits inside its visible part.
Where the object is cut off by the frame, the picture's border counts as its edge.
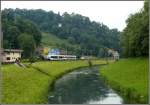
(83, 86)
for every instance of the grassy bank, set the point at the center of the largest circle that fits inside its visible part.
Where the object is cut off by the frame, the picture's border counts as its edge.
(129, 77)
(31, 85)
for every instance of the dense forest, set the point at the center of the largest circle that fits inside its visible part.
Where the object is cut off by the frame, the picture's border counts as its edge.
(23, 29)
(92, 38)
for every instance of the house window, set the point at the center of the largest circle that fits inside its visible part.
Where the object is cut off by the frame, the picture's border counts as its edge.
(8, 58)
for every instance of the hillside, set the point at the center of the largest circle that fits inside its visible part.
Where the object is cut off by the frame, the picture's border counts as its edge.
(77, 33)
(52, 41)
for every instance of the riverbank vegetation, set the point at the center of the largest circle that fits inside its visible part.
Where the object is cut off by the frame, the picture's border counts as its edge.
(129, 77)
(32, 84)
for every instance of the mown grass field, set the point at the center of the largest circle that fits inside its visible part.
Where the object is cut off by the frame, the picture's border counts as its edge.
(130, 78)
(31, 85)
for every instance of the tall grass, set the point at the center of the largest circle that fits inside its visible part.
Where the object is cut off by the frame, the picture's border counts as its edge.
(130, 78)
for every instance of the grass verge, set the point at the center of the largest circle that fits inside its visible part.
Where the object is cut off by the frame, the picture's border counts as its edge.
(129, 77)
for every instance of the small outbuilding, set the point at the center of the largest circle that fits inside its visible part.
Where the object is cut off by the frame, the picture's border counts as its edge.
(11, 55)
(116, 55)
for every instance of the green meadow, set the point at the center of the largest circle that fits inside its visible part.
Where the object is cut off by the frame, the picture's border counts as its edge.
(33, 84)
(129, 77)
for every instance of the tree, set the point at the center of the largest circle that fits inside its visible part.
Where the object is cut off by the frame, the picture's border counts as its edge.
(135, 37)
(101, 53)
(27, 44)
(26, 26)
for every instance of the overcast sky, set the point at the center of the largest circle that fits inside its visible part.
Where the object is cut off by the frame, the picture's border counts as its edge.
(111, 13)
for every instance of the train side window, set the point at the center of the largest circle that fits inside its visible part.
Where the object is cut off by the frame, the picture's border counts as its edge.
(54, 57)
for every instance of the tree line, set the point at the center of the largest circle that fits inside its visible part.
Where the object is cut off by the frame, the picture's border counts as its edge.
(135, 37)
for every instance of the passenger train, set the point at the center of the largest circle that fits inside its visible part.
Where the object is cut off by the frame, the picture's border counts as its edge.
(61, 57)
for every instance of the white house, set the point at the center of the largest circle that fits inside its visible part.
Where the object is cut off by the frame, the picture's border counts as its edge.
(11, 55)
(114, 54)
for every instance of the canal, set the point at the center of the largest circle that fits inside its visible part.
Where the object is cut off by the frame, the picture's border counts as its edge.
(83, 86)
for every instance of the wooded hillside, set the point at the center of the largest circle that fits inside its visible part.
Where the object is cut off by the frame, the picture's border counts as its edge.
(76, 29)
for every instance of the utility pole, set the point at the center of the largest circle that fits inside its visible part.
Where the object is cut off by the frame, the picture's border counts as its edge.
(66, 51)
(1, 41)
(1, 51)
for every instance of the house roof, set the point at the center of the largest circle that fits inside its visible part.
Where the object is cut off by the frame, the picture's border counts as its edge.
(12, 50)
